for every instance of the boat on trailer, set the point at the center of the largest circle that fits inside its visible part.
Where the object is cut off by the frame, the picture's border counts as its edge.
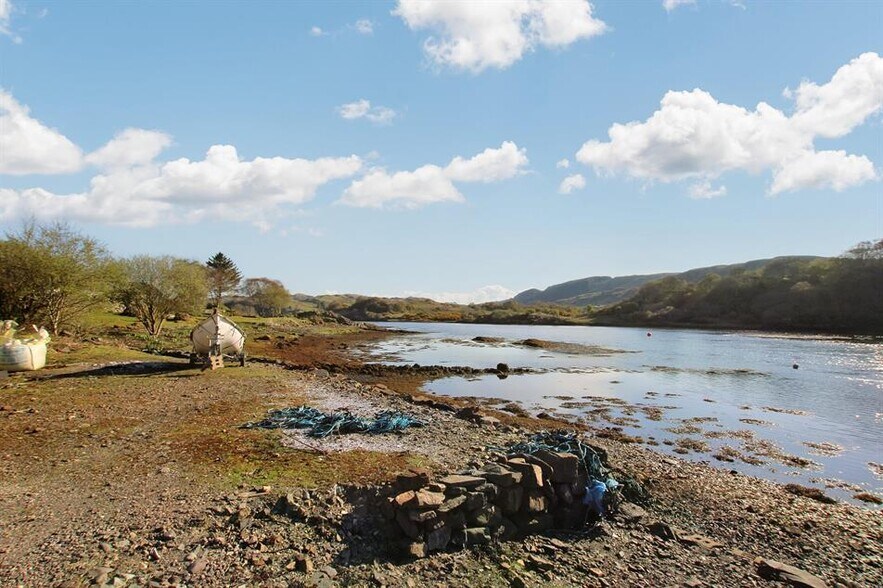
(217, 336)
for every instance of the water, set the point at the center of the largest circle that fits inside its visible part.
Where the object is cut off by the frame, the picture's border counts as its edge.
(835, 396)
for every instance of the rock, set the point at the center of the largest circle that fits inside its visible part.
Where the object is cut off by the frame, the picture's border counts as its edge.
(699, 540)
(462, 481)
(427, 499)
(662, 530)
(405, 497)
(502, 367)
(536, 501)
(412, 479)
(407, 525)
(438, 538)
(770, 569)
(422, 516)
(478, 536)
(510, 499)
(489, 516)
(540, 563)
(475, 500)
(631, 513)
(532, 474)
(417, 550)
(503, 477)
(489, 490)
(565, 466)
(303, 564)
(197, 566)
(564, 493)
(452, 503)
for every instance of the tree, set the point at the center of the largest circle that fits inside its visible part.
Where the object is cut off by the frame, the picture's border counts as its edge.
(223, 276)
(156, 287)
(269, 297)
(52, 274)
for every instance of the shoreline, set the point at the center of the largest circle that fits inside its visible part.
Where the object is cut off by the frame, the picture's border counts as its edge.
(74, 498)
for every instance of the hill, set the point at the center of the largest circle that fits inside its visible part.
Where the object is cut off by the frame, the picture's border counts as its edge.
(603, 290)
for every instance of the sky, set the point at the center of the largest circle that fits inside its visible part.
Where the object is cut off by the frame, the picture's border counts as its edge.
(461, 150)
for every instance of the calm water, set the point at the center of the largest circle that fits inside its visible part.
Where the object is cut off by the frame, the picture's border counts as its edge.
(689, 374)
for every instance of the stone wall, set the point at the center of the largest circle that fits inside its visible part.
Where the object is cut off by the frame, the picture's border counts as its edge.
(518, 495)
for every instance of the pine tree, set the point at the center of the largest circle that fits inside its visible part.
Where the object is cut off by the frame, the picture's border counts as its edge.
(223, 277)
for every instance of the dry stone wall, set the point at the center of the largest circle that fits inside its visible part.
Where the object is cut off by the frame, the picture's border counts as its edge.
(517, 496)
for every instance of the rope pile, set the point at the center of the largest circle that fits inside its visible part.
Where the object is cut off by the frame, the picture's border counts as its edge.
(320, 424)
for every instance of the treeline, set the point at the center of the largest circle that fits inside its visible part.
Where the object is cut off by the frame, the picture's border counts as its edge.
(53, 275)
(425, 310)
(842, 294)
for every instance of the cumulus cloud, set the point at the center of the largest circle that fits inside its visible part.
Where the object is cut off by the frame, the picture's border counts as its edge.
(363, 109)
(28, 146)
(571, 183)
(317, 32)
(693, 136)
(705, 191)
(364, 26)
(431, 183)
(670, 5)
(130, 147)
(222, 185)
(563, 164)
(491, 293)
(474, 36)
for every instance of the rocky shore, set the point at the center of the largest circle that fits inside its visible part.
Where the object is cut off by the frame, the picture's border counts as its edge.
(142, 477)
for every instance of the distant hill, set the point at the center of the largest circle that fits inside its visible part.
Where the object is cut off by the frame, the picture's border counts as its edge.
(602, 290)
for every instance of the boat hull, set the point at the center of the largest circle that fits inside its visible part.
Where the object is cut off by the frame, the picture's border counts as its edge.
(217, 334)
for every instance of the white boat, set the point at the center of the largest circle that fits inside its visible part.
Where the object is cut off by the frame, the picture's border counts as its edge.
(22, 351)
(218, 335)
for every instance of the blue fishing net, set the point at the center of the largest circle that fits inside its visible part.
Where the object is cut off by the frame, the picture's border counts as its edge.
(320, 424)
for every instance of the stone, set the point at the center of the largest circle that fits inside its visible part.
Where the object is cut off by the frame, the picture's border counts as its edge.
(405, 497)
(438, 539)
(422, 516)
(630, 513)
(699, 540)
(303, 564)
(407, 525)
(417, 550)
(540, 563)
(532, 474)
(510, 499)
(198, 566)
(475, 500)
(501, 476)
(502, 367)
(507, 529)
(427, 499)
(535, 501)
(452, 504)
(662, 530)
(489, 490)
(478, 536)
(489, 516)
(455, 491)
(531, 458)
(770, 569)
(462, 481)
(565, 466)
(564, 493)
(412, 479)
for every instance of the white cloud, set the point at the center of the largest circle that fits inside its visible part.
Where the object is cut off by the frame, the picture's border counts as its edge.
(571, 183)
(363, 109)
(220, 186)
(430, 183)
(6, 10)
(364, 26)
(317, 32)
(563, 164)
(478, 296)
(491, 165)
(130, 147)
(704, 191)
(670, 5)
(30, 147)
(476, 35)
(693, 136)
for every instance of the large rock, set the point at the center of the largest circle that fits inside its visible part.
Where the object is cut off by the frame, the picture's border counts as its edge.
(427, 499)
(438, 538)
(489, 516)
(564, 465)
(462, 481)
(451, 504)
(532, 474)
(478, 536)
(630, 513)
(771, 569)
(408, 527)
(535, 501)
(503, 477)
(475, 500)
(412, 479)
(510, 499)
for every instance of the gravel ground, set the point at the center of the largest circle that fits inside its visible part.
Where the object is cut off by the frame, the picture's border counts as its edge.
(142, 477)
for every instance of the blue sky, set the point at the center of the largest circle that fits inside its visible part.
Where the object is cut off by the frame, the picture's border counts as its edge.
(418, 147)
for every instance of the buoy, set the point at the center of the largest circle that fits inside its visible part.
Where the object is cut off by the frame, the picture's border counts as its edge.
(795, 366)
(649, 334)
